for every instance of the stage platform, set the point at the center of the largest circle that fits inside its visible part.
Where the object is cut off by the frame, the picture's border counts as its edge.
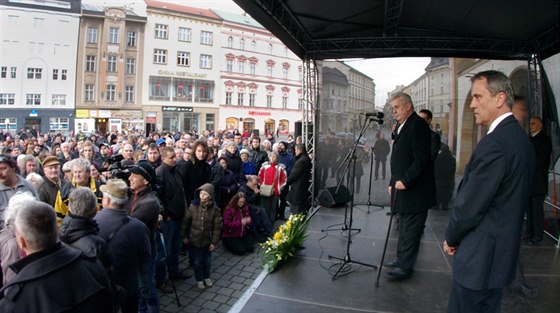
(305, 283)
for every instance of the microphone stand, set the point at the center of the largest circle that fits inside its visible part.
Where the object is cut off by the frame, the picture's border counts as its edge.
(351, 157)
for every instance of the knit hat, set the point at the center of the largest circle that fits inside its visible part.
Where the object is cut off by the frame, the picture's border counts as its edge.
(145, 169)
(244, 151)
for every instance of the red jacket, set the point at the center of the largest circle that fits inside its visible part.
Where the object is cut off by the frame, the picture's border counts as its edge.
(267, 174)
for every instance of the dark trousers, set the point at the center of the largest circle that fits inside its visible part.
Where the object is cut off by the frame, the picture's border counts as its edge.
(382, 168)
(535, 218)
(464, 300)
(239, 246)
(201, 261)
(411, 227)
(172, 238)
(283, 203)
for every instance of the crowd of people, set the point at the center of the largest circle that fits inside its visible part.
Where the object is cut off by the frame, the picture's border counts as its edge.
(123, 208)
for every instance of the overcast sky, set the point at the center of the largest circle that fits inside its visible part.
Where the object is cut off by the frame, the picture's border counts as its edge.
(386, 73)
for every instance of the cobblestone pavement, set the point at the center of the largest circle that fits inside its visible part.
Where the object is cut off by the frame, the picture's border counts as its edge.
(232, 275)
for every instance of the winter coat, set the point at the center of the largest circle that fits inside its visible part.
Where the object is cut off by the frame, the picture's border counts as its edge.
(233, 228)
(287, 160)
(59, 279)
(61, 203)
(9, 252)
(299, 180)
(203, 222)
(235, 165)
(145, 206)
(267, 174)
(195, 173)
(249, 168)
(228, 187)
(81, 233)
(171, 192)
(258, 157)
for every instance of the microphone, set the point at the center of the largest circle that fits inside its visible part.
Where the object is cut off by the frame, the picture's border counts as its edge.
(376, 114)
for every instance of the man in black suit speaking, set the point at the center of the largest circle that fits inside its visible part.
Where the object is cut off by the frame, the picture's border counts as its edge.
(412, 184)
(484, 229)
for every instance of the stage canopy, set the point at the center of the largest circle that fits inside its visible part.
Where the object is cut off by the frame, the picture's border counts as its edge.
(488, 29)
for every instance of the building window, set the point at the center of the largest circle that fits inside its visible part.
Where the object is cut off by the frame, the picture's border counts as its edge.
(8, 123)
(58, 99)
(228, 98)
(7, 98)
(129, 94)
(242, 44)
(206, 38)
(131, 39)
(300, 75)
(92, 35)
(210, 117)
(285, 72)
(160, 56)
(55, 74)
(230, 42)
(13, 71)
(111, 63)
(184, 34)
(90, 63)
(241, 67)
(111, 93)
(254, 45)
(33, 99)
(89, 93)
(300, 104)
(240, 99)
(161, 31)
(59, 125)
(4, 72)
(269, 70)
(269, 101)
(130, 65)
(64, 74)
(229, 65)
(253, 68)
(270, 48)
(34, 73)
(159, 88)
(183, 58)
(113, 35)
(251, 99)
(205, 61)
(284, 102)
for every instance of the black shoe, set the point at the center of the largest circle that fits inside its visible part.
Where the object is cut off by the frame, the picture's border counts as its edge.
(529, 292)
(165, 288)
(533, 242)
(182, 274)
(398, 274)
(391, 264)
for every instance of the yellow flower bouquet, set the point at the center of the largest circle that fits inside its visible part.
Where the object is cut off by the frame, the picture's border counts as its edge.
(286, 242)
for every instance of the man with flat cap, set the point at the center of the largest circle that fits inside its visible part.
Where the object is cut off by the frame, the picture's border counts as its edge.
(52, 182)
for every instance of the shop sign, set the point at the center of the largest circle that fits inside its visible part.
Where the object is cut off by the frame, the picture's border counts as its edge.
(33, 113)
(181, 73)
(104, 113)
(82, 113)
(151, 119)
(177, 109)
(260, 113)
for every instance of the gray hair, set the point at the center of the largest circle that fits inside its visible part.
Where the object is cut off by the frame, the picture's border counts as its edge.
(82, 202)
(497, 82)
(36, 223)
(83, 163)
(67, 167)
(403, 98)
(120, 202)
(252, 178)
(15, 203)
(35, 178)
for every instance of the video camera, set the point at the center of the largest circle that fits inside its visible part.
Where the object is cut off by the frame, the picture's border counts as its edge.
(117, 168)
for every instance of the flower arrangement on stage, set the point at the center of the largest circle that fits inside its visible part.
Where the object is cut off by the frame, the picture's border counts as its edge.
(286, 242)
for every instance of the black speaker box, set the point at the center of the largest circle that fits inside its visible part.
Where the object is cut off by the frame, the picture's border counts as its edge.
(328, 197)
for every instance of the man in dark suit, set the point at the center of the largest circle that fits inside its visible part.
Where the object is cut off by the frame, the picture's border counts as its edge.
(436, 138)
(543, 149)
(484, 230)
(299, 181)
(412, 184)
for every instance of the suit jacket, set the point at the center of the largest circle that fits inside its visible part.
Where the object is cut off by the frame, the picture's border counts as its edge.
(491, 199)
(298, 180)
(543, 149)
(411, 163)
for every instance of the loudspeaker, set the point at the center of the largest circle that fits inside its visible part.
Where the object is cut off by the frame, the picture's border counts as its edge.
(328, 197)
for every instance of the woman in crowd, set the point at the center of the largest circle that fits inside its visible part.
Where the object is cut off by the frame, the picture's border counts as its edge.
(228, 183)
(272, 174)
(237, 229)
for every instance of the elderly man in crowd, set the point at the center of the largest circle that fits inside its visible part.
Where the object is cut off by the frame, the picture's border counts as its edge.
(52, 182)
(11, 183)
(129, 243)
(81, 281)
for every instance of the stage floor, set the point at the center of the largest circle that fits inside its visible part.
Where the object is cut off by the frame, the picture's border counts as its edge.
(305, 283)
